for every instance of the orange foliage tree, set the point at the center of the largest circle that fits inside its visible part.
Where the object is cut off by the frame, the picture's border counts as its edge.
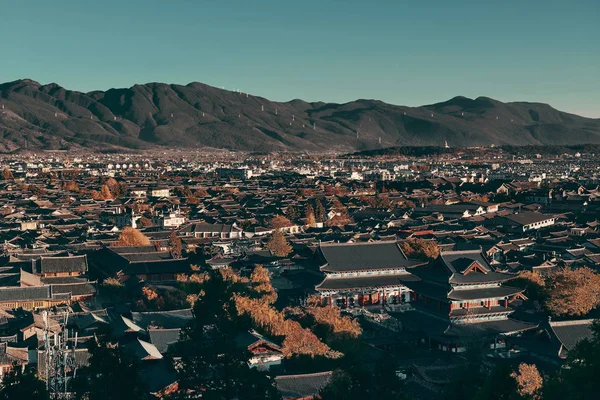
(332, 317)
(71, 186)
(420, 249)
(278, 244)
(279, 221)
(529, 381)
(175, 245)
(298, 340)
(132, 237)
(261, 284)
(7, 174)
(573, 291)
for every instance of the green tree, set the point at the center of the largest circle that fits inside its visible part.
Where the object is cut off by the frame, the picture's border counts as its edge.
(19, 384)
(579, 377)
(111, 375)
(211, 361)
(292, 212)
(319, 211)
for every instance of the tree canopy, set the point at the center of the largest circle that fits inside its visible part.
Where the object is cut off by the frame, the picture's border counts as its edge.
(132, 237)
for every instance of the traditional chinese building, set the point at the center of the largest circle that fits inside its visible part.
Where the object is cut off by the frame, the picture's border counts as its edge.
(460, 295)
(362, 274)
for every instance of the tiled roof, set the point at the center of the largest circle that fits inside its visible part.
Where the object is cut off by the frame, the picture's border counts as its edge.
(63, 264)
(25, 293)
(299, 386)
(363, 256)
(365, 281)
(571, 332)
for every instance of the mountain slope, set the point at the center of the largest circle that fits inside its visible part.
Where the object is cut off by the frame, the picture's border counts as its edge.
(36, 116)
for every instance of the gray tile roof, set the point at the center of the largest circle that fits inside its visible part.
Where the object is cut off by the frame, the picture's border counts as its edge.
(571, 332)
(25, 293)
(363, 256)
(365, 281)
(299, 386)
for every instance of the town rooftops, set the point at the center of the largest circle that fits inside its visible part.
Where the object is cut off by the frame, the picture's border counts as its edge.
(52, 265)
(569, 333)
(528, 217)
(8, 294)
(375, 281)
(302, 386)
(340, 257)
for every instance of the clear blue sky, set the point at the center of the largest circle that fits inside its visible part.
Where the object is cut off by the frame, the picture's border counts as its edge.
(403, 52)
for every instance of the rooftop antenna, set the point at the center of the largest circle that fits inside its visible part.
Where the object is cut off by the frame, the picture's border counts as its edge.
(262, 108)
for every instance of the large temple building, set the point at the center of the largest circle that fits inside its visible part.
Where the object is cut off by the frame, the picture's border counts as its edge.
(460, 296)
(364, 274)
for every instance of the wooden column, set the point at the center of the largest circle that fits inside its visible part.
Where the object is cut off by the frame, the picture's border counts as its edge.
(505, 303)
(346, 301)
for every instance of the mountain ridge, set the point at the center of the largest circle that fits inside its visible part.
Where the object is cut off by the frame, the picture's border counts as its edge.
(196, 115)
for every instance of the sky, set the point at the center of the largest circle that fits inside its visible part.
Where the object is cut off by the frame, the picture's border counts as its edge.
(402, 52)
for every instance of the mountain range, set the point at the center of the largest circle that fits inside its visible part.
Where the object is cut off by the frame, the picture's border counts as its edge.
(36, 116)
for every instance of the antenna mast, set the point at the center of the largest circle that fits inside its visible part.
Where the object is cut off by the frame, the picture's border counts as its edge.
(59, 358)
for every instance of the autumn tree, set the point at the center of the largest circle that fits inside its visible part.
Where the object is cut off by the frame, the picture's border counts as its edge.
(111, 182)
(132, 237)
(261, 284)
(212, 365)
(332, 318)
(114, 288)
(103, 194)
(7, 174)
(573, 291)
(529, 381)
(279, 221)
(310, 216)
(201, 193)
(175, 245)
(420, 249)
(297, 339)
(278, 244)
(71, 186)
(144, 222)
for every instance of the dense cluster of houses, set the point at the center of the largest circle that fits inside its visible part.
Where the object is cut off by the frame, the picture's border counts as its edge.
(346, 234)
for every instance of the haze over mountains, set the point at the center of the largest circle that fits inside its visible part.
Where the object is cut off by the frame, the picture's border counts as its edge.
(35, 116)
